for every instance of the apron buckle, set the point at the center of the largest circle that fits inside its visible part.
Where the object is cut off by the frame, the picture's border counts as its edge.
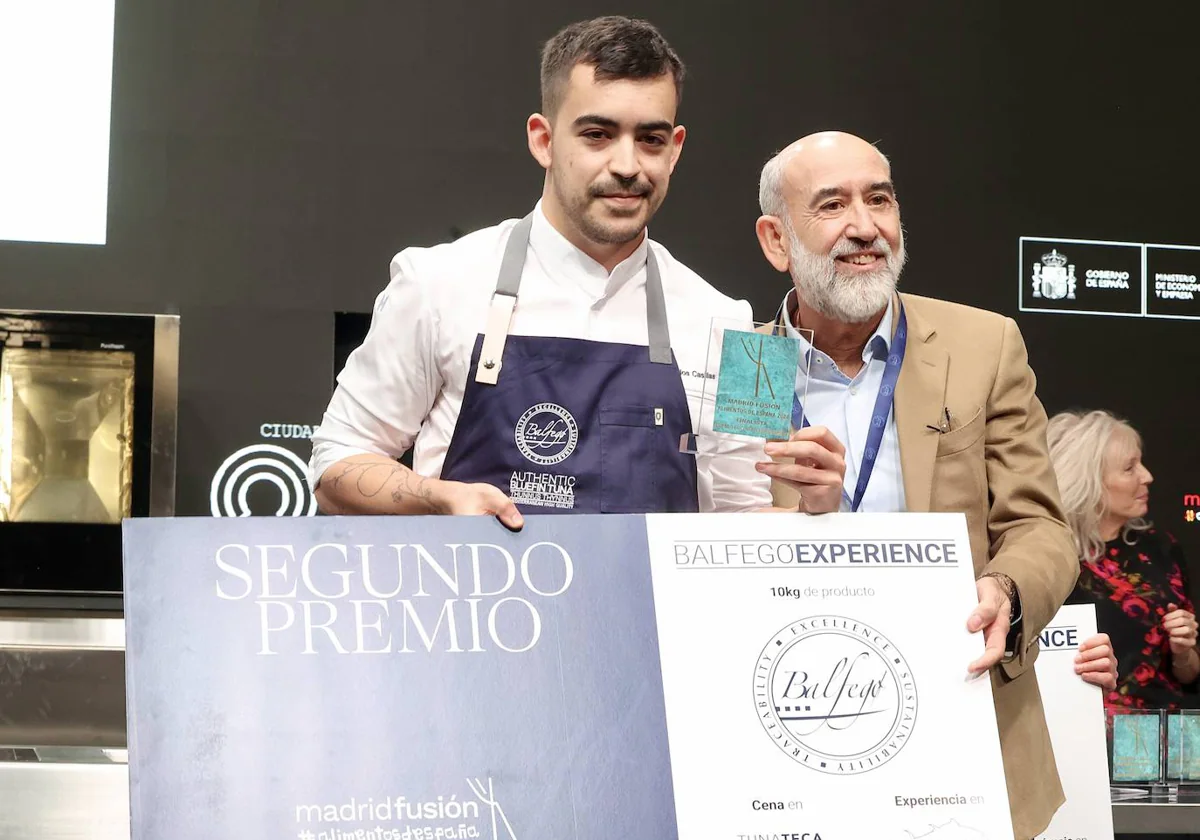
(495, 335)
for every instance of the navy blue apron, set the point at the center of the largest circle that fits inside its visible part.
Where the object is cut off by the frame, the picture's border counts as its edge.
(567, 425)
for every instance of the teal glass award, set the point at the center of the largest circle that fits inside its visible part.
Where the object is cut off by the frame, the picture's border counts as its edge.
(1183, 747)
(749, 385)
(1136, 746)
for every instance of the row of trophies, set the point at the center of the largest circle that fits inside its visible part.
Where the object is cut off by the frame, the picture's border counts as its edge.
(1150, 747)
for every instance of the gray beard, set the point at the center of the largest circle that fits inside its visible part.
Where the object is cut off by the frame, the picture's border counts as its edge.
(848, 300)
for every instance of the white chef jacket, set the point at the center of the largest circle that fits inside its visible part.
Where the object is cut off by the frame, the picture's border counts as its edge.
(403, 388)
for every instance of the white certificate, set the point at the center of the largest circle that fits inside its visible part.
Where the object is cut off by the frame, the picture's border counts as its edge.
(815, 675)
(1075, 715)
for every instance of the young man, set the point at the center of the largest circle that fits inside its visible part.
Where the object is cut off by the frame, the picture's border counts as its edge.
(548, 364)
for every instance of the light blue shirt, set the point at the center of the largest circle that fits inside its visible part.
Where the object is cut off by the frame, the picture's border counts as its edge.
(845, 405)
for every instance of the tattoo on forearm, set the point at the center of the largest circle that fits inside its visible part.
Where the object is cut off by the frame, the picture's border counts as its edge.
(370, 479)
(404, 487)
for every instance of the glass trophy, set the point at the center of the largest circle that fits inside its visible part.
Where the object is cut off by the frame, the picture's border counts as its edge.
(1183, 747)
(1136, 747)
(66, 430)
(753, 386)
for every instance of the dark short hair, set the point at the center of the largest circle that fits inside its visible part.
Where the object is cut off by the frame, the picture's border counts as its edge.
(617, 47)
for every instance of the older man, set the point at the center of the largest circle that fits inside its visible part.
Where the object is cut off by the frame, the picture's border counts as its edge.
(934, 405)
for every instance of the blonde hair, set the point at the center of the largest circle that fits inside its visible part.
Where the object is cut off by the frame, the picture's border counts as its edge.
(1078, 444)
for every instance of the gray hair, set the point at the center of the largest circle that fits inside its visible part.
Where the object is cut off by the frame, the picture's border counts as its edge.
(770, 183)
(1078, 442)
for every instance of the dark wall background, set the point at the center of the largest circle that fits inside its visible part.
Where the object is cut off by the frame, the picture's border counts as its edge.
(269, 157)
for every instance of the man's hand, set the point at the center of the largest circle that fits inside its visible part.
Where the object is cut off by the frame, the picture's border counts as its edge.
(819, 470)
(454, 498)
(992, 617)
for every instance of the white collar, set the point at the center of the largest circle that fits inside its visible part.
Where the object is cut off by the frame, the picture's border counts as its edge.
(562, 261)
(877, 345)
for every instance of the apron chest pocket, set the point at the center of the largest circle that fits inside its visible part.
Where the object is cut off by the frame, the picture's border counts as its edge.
(629, 438)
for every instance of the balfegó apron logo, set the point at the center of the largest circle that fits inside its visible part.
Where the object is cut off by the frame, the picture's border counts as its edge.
(547, 434)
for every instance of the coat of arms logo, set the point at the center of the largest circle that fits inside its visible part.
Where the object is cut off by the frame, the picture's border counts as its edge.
(1053, 278)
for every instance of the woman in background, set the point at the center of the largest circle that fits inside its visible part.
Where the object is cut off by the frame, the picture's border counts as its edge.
(1134, 575)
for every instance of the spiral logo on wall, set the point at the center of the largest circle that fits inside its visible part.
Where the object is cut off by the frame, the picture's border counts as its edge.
(262, 463)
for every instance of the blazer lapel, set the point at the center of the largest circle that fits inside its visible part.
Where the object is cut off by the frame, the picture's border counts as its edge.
(918, 403)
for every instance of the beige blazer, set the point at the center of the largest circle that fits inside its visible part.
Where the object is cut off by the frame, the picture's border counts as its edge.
(993, 466)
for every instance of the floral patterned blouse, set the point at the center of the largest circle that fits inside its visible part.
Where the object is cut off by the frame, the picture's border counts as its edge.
(1132, 586)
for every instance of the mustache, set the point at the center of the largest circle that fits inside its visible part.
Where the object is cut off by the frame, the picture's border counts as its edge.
(633, 187)
(845, 247)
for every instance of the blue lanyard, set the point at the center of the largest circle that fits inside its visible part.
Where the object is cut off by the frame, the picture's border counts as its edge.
(879, 416)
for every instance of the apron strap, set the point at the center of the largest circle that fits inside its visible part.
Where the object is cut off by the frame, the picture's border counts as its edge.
(509, 281)
(495, 332)
(656, 313)
(504, 300)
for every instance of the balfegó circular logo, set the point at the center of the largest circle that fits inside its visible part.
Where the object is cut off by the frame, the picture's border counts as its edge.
(547, 434)
(835, 695)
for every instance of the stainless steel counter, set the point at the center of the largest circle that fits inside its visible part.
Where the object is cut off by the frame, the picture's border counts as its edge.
(55, 800)
(1159, 814)
(62, 728)
(62, 681)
